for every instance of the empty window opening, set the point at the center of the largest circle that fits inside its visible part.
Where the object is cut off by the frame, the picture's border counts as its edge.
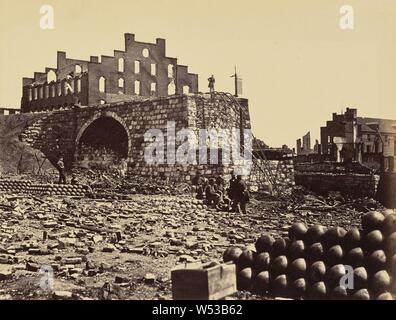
(145, 53)
(77, 69)
(40, 92)
(30, 94)
(137, 66)
(153, 88)
(121, 83)
(52, 90)
(102, 84)
(137, 87)
(51, 76)
(121, 65)
(153, 69)
(171, 88)
(170, 71)
(78, 85)
(186, 89)
(59, 89)
(46, 92)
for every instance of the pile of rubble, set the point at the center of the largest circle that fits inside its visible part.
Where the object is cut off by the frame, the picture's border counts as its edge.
(100, 248)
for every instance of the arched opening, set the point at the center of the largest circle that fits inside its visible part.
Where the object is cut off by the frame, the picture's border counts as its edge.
(103, 143)
(171, 88)
(170, 70)
(51, 76)
(102, 84)
(121, 65)
(77, 69)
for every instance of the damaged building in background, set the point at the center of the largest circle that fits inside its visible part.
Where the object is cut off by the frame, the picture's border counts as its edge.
(357, 156)
(369, 141)
(142, 70)
(304, 147)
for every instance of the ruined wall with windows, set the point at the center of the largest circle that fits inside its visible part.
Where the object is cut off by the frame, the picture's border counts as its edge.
(141, 70)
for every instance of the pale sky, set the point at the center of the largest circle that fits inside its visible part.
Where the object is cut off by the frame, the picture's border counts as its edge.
(297, 65)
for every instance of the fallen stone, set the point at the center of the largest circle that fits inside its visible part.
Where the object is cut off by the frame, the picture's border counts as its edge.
(5, 272)
(62, 295)
(31, 266)
(109, 248)
(149, 278)
(97, 238)
(121, 279)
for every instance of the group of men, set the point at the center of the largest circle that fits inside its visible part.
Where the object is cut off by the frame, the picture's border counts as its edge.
(232, 198)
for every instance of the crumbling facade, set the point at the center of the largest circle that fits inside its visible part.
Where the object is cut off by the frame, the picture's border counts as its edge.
(304, 147)
(348, 136)
(139, 72)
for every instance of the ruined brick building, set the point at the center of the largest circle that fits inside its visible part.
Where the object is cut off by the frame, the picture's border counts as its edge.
(304, 146)
(364, 140)
(141, 70)
(95, 114)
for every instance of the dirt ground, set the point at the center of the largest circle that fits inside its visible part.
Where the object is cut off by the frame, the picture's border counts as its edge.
(126, 249)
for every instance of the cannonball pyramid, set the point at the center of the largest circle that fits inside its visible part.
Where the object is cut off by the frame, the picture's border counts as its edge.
(28, 187)
(318, 263)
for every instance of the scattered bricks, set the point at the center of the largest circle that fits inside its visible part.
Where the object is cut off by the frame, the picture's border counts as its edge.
(34, 251)
(66, 242)
(72, 260)
(76, 270)
(186, 258)
(50, 224)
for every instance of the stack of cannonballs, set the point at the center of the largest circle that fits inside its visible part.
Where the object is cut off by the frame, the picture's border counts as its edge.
(320, 263)
(16, 186)
(58, 189)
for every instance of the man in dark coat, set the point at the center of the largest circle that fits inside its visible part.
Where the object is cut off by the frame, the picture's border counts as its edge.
(61, 169)
(241, 195)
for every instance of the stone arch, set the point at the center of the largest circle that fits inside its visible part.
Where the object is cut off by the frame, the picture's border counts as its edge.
(106, 114)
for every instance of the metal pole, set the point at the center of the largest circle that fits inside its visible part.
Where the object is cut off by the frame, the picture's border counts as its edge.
(236, 82)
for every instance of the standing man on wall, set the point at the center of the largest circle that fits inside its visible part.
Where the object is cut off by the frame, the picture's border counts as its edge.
(61, 169)
(211, 84)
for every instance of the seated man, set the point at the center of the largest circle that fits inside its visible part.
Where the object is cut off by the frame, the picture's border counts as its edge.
(212, 196)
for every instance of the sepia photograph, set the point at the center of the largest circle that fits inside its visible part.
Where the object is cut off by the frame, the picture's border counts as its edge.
(206, 156)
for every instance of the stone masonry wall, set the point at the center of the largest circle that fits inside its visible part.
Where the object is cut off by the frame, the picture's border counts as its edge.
(347, 183)
(58, 133)
(281, 170)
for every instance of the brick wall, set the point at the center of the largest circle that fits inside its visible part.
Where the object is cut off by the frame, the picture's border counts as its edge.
(347, 183)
